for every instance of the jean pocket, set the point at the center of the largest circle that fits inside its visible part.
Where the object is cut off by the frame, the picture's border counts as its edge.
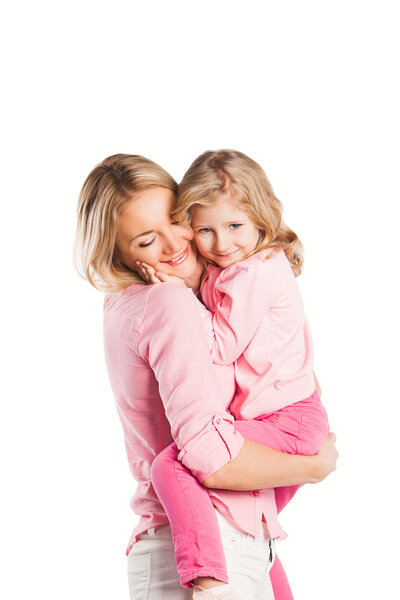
(313, 431)
(289, 424)
(138, 576)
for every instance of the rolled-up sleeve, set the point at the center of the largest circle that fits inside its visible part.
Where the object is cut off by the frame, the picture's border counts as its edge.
(172, 340)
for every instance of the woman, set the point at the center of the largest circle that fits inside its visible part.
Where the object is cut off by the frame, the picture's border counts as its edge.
(166, 387)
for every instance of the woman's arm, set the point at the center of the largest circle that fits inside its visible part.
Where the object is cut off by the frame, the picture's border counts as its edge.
(258, 467)
(172, 341)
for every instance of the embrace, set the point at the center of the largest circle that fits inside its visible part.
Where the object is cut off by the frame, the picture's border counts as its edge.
(210, 358)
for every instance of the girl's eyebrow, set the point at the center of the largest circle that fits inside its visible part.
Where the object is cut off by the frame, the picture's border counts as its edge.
(227, 223)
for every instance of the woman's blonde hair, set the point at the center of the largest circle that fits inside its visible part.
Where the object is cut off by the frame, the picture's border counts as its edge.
(103, 196)
(232, 174)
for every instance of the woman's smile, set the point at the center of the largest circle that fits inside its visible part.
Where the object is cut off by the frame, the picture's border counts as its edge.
(178, 260)
(148, 233)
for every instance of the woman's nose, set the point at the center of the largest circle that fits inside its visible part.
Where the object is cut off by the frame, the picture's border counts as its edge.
(172, 243)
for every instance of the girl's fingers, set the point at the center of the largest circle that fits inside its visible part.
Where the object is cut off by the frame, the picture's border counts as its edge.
(162, 277)
(151, 275)
(146, 272)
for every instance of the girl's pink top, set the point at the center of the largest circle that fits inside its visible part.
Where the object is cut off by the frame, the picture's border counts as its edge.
(258, 324)
(166, 390)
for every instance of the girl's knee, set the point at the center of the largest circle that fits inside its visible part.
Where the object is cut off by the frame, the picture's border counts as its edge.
(164, 462)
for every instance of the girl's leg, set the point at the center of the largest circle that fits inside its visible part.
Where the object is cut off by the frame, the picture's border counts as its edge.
(197, 542)
(279, 581)
(195, 531)
(296, 429)
(267, 432)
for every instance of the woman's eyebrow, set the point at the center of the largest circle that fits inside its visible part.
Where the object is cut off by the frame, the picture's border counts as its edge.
(140, 235)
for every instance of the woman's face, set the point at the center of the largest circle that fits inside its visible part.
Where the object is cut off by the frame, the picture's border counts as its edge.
(148, 233)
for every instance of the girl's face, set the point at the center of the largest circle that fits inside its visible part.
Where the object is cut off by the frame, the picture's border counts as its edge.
(148, 233)
(223, 232)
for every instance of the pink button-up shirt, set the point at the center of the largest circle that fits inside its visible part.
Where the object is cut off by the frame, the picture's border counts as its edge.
(167, 389)
(258, 324)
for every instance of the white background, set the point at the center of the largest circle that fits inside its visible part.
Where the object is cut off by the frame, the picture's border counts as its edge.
(310, 90)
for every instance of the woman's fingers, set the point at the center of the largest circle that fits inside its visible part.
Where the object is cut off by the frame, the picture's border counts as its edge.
(328, 456)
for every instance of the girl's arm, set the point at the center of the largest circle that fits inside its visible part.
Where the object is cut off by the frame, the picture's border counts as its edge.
(172, 341)
(241, 294)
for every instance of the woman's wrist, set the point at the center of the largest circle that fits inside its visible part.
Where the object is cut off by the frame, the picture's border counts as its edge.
(316, 470)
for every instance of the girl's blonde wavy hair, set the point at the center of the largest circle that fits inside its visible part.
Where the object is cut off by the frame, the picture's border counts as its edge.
(104, 194)
(220, 173)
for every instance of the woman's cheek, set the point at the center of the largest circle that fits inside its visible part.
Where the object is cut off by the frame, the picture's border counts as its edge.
(200, 244)
(150, 257)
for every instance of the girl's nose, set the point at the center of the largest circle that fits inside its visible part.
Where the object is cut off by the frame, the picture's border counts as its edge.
(221, 243)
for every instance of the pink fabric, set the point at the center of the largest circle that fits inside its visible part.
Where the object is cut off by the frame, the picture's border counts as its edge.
(297, 429)
(167, 389)
(258, 322)
(279, 582)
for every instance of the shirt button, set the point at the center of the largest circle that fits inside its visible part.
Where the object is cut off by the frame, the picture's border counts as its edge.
(218, 421)
(256, 493)
(277, 385)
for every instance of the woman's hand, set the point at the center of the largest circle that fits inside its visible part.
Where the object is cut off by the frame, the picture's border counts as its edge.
(150, 275)
(326, 458)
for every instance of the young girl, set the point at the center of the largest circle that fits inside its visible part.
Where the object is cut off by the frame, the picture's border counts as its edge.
(258, 324)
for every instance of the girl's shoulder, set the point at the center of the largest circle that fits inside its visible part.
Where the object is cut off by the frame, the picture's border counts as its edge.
(266, 259)
(267, 268)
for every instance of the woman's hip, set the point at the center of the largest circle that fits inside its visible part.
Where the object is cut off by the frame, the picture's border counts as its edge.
(152, 573)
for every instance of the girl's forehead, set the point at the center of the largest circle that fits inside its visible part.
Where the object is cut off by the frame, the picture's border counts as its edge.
(220, 209)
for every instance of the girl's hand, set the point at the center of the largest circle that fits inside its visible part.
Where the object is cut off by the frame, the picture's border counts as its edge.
(150, 275)
(326, 457)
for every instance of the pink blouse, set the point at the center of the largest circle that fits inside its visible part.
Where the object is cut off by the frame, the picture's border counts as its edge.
(258, 324)
(167, 389)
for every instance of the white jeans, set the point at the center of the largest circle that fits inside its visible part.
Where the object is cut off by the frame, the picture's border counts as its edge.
(152, 573)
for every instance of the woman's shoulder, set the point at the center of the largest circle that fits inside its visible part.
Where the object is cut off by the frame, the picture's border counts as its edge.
(136, 300)
(127, 297)
(169, 298)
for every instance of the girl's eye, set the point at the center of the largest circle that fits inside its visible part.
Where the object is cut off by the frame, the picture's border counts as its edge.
(235, 225)
(175, 223)
(145, 244)
(204, 230)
